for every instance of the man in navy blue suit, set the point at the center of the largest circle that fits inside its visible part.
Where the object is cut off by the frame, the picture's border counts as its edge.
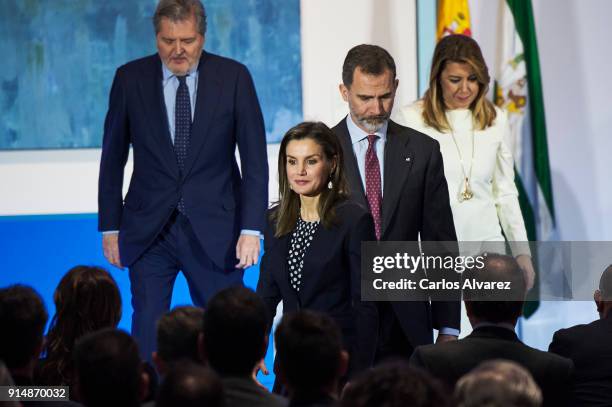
(188, 207)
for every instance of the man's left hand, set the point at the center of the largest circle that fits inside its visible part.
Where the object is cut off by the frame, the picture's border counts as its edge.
(247, 251)
(445, 338)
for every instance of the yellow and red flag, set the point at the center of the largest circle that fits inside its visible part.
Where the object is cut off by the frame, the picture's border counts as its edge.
(453, 18)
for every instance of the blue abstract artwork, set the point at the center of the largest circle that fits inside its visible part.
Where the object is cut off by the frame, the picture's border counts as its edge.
(60, 57)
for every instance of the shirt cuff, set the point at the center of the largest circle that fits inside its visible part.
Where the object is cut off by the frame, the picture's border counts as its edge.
(449, 331)
(110, 232)
(251, 233)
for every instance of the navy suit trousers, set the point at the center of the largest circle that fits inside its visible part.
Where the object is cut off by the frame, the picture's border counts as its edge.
(152, 278)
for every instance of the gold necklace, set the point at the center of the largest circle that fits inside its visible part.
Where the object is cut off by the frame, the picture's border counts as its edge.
(467, 192)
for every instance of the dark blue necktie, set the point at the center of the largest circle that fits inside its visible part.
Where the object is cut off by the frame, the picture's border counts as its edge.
(182, 128)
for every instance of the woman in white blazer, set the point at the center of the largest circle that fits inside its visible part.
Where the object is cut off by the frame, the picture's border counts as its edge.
(474, 138)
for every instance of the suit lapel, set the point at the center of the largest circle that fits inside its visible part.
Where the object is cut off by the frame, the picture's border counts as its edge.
(209, 89)
(321, 242)
(152, 95)
(278, 253)
(398, 162)
(350, 164)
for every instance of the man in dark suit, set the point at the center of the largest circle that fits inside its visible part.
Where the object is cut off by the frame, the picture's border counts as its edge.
(494, 319)
(188, 208)
(590, 348)
(397, 174)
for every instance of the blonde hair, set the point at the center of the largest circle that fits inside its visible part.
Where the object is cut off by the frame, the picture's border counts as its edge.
(461, 49)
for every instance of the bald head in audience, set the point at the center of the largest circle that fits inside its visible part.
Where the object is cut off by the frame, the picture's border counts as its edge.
(603, 296)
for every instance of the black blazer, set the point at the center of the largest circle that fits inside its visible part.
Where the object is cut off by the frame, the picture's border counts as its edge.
(590, 348)
(450, 360)
(415, 201)
(219, 199)
(331, 281)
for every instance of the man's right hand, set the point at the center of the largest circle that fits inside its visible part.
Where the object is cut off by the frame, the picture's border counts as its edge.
(110, 246)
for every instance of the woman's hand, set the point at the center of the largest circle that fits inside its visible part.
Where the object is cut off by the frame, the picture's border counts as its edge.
(524, 262)
(260, 366)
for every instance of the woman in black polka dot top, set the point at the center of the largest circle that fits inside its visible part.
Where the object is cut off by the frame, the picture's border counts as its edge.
(312, 243)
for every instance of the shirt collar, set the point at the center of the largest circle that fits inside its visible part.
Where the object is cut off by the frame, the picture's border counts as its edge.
(498, 325)
(358, 134)
(167, 73)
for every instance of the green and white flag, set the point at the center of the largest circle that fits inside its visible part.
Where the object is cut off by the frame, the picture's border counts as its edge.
(518, 89)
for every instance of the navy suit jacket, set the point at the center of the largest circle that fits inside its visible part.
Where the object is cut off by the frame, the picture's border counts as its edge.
(590, 348)
(219, 201)
(415, 201)
(449, 361)
(331, 280)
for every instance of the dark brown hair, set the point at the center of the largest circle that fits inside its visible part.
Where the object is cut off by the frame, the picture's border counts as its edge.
(371, 59)
(177, 334)
(461, 49)
(22, 317)
(87, 299)
(288, 209)
(496, 306)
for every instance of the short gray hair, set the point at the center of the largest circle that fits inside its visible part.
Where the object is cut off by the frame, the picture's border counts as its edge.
(498, 383)
(180, 10)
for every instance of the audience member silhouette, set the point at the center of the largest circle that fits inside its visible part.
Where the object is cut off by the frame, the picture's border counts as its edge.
(589, 346)
(23, 317)
(86, 299)
(493, 315)
(178, 332)
(394, 384)
(190, 385)
(310, 360)
(108, 370)
(235, 340)
(498, 383)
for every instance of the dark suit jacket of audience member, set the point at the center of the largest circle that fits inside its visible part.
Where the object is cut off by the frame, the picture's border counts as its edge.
(243, 392)
(331, 279)
(415, 201)
(449, 361)
(590, 348)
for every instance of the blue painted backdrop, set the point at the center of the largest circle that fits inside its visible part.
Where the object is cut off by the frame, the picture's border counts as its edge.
(39, 250)
(59, 58)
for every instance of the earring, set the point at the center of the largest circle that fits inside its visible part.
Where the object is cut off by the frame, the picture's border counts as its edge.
(330, 185)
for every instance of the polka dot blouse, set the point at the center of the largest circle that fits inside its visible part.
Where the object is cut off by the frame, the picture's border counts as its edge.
(300, 241)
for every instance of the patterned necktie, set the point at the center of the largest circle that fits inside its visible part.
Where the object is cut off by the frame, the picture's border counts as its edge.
(182, 128)
(372, 178)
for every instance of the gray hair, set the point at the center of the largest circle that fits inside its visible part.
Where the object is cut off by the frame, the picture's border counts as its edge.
(180, 10)
(498, 383)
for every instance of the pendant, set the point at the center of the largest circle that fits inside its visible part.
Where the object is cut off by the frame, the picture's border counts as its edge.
(467, 193)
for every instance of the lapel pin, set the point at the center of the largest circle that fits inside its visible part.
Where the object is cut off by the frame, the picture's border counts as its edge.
(407, 159)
